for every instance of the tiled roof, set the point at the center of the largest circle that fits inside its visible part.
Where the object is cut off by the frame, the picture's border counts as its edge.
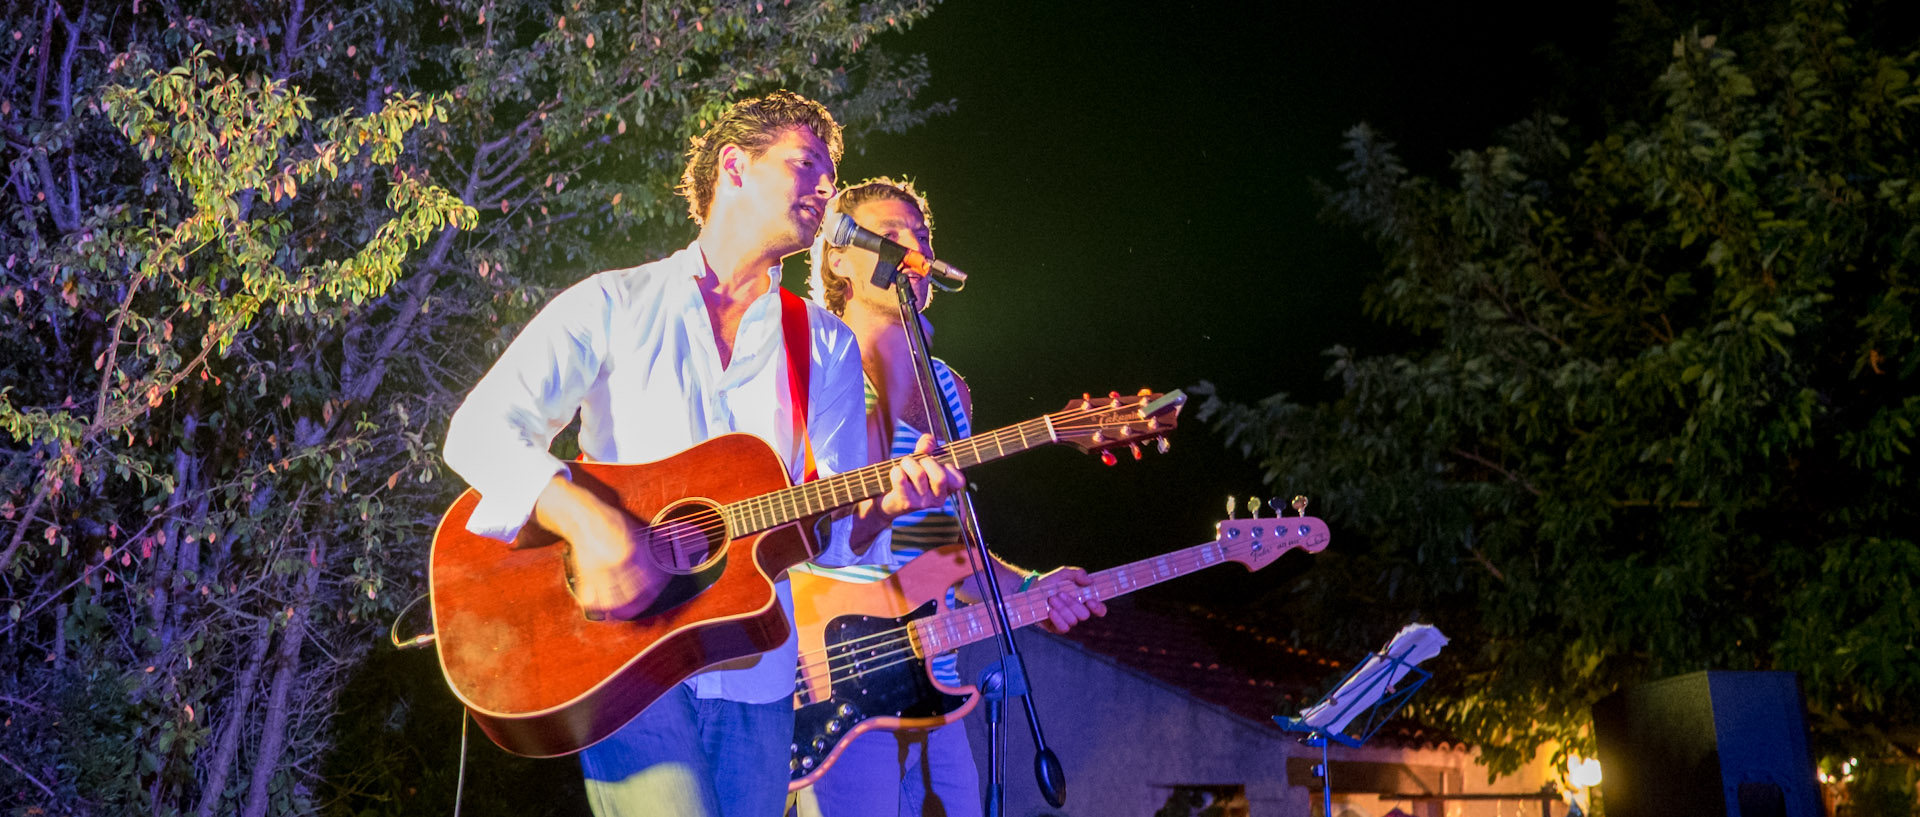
(1226, 662)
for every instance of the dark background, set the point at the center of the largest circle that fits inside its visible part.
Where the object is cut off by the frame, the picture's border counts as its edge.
(1130, 188)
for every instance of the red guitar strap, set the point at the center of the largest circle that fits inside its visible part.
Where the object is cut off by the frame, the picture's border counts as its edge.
(793, 326)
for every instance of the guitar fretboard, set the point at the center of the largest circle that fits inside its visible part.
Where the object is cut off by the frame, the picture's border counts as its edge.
(949, 629)
(772, 510)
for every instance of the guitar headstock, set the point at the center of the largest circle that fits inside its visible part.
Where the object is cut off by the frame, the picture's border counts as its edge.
(1103, 424)
(1257, 542)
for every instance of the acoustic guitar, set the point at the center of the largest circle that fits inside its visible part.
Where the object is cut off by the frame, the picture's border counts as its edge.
(543, 679)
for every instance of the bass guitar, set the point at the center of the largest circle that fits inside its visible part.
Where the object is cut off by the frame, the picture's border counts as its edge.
(864, 645)
(543, 679)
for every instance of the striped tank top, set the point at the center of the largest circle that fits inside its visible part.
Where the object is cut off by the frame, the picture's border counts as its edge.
(912, 533)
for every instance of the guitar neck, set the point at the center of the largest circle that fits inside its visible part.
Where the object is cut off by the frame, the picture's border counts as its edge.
(840, 490)
(949, 629)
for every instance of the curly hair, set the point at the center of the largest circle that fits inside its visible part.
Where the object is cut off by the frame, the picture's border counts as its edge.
(826, 288)
(753, 124)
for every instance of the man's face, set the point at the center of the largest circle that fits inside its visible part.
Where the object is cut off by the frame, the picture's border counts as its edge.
(787, 188)
(900, 222)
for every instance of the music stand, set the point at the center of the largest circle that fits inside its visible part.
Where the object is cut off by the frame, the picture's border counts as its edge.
(1373, 688)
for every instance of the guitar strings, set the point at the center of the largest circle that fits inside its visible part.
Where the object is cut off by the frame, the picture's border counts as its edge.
(896, 643)
(705, 525)
(1065, 420)
(1183, 561)
(889, 642)
(895, 638)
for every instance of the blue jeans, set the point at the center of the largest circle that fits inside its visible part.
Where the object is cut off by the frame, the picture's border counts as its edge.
(693, 757)
(903, 774)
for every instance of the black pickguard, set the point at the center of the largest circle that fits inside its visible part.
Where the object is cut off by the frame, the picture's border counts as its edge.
(874, 677)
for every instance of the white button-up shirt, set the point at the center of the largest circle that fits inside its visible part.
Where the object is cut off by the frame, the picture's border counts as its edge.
(633, 352)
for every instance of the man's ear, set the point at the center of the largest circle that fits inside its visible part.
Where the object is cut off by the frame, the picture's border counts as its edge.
(732, 164)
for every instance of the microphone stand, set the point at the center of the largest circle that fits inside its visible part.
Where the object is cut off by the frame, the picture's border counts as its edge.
(1048, 773)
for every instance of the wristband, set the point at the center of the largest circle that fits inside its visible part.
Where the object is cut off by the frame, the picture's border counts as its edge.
(1028, 581)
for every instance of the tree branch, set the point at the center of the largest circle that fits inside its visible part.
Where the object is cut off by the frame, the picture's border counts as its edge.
(273, 731)
(1511, 477)
(228, 745)
(287, 53)
(30, 778)
(417, 290)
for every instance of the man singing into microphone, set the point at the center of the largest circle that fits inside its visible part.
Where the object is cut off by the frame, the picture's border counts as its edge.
(661, 357)
(882, 773)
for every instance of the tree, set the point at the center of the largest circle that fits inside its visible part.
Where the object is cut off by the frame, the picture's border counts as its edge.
(1659, 408)
(255, 251)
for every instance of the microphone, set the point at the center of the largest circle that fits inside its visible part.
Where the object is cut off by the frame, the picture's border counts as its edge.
(846, 233)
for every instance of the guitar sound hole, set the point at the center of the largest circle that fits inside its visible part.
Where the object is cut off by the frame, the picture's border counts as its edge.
(687, 537)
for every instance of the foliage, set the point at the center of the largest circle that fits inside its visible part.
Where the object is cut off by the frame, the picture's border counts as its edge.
(1659, 414)
(255, 251)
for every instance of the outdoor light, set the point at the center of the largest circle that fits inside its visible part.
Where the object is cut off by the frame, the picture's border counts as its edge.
(1846, 772)
(1583, 772)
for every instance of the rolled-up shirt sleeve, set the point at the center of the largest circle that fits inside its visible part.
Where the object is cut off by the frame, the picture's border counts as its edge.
(499, 439)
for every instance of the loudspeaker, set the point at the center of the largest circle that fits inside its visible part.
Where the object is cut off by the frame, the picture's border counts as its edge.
(1730, 744)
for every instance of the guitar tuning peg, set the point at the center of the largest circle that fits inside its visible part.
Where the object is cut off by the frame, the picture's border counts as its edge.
(1086, 400)
(1163, 445)
(1274, 504)
(1253, 507)
(1300, 505)
(1231, 507)
(1135, 448)
(1145, 393)
(1107, 457)
(1113, 398)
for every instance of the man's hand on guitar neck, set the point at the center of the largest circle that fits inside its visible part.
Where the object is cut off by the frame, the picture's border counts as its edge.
(611, 576)
(919, 482)
(1067, 605)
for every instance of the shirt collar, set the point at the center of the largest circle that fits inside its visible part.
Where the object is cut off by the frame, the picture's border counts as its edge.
(697, 265)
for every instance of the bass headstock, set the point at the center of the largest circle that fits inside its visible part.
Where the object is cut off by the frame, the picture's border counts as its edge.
(1257, 542)
(1105, 424)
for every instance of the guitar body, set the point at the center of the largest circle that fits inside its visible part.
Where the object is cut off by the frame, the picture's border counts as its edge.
(543, 680)
(861, 668)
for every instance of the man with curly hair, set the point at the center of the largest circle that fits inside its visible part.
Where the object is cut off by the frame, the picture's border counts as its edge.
(656, 359)
(908, 772)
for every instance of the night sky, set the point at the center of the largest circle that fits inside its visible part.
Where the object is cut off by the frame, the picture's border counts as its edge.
(1129, 187)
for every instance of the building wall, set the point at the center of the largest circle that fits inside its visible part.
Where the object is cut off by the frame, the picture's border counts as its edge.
(1126, 738)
